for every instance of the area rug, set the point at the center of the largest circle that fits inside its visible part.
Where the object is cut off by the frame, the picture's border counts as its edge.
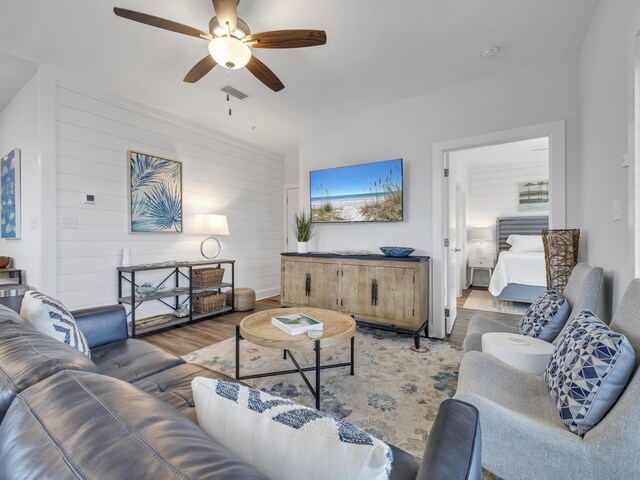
(394, 394)
(482, 300)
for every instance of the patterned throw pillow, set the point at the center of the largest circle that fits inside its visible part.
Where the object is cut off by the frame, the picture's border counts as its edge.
(587, 372)
(546, 317)
(50, 317)
(283, 439)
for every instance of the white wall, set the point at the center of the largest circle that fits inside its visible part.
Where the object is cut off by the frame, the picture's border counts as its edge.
(19, 129)
(607, 104)
(220, 174)
(406, 129)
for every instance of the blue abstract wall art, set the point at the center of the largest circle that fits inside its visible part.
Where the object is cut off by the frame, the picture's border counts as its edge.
(10, 194)
(155, 194)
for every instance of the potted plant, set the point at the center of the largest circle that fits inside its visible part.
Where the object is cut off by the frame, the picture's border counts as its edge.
(303, 230)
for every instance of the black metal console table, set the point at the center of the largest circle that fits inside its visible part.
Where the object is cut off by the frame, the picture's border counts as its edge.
(179, 270)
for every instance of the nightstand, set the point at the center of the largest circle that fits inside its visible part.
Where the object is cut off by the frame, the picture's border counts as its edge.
(481, 263)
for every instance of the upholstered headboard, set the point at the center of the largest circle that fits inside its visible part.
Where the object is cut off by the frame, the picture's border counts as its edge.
(506, 226)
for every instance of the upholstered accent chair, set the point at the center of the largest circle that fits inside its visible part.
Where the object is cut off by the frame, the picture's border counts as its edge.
(582, 292)
(523, 436)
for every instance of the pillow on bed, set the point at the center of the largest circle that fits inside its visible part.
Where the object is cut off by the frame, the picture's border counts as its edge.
(546, 317)
(525, 243)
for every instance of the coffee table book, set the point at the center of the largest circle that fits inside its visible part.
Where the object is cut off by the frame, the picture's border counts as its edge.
(296, 323)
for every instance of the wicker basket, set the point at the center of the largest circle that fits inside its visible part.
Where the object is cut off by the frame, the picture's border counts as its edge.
(207, 277)
(209, 302)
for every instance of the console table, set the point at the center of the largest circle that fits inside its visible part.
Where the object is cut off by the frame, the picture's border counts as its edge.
(383, 292)
(177, 270)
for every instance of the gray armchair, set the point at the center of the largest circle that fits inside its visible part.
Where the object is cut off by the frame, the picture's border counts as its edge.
(523, 436)
(582, 292)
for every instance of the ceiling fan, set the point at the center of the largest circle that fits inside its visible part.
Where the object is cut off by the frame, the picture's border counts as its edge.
(230, 41)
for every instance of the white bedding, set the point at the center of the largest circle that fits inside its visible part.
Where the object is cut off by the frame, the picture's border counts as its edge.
(524, 268)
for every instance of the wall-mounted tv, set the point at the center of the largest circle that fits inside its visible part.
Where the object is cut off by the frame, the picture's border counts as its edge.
(370, 192)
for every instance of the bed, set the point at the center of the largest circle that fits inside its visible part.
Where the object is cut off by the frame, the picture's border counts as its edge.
(518, 276)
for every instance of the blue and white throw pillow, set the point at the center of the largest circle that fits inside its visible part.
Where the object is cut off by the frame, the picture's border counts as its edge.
(283, 439)
(51, 317)
(588, 370)
(546, 317)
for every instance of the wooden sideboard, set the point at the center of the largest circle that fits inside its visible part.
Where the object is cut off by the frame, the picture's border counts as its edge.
(385, 292)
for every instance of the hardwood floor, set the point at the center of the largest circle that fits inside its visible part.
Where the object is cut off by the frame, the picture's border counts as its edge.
(182, 340)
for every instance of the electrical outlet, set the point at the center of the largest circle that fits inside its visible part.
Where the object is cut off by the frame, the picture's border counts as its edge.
(617, 210)
(69, 223)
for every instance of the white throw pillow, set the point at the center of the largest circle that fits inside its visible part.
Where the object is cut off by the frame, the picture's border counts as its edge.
(283, 439)
(525, 243)
(49, 316)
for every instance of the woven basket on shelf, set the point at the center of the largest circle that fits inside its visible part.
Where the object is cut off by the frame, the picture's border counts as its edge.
(207, 277)
(209, 302)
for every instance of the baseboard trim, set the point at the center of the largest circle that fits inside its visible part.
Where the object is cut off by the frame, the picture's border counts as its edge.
(270, 292)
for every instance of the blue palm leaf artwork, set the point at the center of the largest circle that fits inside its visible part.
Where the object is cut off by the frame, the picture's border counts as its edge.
(10, 195)
(156, 194)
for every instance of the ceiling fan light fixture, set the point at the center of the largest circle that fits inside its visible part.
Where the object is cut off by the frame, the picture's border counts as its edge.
(229, 52)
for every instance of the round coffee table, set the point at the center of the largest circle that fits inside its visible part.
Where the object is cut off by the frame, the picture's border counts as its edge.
(258, 329)
(519, 351)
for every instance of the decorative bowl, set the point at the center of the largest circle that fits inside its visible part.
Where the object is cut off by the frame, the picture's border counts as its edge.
(5, 262)
(148, 288)
(397, 251)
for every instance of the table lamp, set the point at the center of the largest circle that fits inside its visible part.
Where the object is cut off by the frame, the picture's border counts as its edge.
(482, 235)
(211, 225)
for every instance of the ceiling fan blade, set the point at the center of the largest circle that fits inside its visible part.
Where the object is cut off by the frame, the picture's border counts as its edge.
(287, 39)
(161, 23)
(227, 11)
(200, 69)
(264, 74)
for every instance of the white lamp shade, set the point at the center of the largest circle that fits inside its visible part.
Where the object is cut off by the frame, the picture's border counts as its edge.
(210, 224)
(229, 52)
(482, 234)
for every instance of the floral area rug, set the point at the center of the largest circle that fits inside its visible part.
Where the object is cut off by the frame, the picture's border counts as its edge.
(394, 394)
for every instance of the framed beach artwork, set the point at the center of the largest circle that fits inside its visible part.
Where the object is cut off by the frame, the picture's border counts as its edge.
(533, 196)
(10, 194)
(155, 194)
(369, 192)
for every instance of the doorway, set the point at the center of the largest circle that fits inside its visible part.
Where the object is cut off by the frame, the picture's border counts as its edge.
(445, 275)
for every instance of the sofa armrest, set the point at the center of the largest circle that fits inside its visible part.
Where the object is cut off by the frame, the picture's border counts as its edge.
(102, 325)
(453, 446)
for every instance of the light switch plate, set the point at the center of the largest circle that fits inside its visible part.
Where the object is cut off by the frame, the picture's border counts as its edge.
(69, 223)
(33, 223)
(625, 160)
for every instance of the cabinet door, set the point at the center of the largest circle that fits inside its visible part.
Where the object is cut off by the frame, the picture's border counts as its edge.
(294, 282)
(356, 290)
(395, 294)
(324, 286)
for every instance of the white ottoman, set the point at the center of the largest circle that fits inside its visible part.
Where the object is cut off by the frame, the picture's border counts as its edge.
(519, 351)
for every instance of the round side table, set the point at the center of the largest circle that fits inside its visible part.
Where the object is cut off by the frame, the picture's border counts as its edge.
(519, 351)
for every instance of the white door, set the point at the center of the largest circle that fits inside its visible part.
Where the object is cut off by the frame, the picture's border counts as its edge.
(452, 247)
(293, 196)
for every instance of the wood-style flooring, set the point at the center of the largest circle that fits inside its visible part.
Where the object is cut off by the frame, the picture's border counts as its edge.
(182, 340)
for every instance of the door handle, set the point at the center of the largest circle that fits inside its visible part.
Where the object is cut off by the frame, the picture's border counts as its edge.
(374, 292)
(457, 250)
(308, 285)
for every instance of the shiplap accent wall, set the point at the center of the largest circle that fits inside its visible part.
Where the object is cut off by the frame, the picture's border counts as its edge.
(493, 190)
(220, 174)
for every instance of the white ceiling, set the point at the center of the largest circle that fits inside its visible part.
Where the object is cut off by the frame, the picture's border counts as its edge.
(377, 52)
(512, 154)
(14, 73)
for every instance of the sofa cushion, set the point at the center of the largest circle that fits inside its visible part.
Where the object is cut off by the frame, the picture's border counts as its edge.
(83, 425)
(9, 315)
(587, 372)
(131, 359)
(28, 356)
(173, 386)
(284, 439)
(546, 316)
(52, 318)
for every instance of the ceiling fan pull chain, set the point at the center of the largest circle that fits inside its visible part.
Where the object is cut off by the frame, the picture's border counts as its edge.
(228, 97)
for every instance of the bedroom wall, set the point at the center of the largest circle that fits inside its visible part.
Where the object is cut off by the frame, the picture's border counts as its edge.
(19, 129)
(408, 128)
(607, 64)
(220, 174)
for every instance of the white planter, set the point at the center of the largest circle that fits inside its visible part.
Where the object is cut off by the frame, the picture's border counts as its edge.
(303, 247)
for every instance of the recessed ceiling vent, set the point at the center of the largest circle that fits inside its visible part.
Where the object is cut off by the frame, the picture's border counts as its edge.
(234, 92)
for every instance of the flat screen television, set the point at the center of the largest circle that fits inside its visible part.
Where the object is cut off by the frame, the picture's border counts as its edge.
(370, 192)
